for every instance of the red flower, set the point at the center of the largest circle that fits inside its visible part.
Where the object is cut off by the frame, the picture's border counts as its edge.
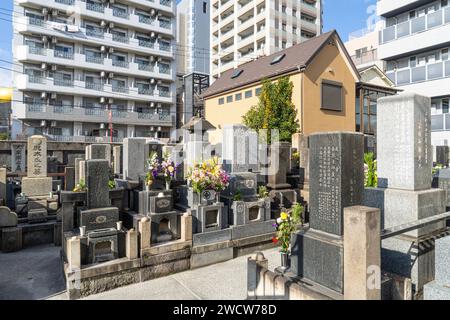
(274, 240)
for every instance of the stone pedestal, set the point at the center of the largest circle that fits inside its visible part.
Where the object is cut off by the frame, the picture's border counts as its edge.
(117, 156)
(7, 218)
(279, 159)
(11, 239)
(36, 186)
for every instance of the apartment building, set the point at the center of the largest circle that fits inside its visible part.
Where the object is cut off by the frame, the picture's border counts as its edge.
(242, 30)
(88, 70)
(414, 42)
(193, 23)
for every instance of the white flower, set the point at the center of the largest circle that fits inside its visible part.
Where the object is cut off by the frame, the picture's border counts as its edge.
(279, 220)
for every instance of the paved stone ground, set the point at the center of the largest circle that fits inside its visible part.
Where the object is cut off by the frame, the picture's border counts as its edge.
(35, 273)
(32, 273)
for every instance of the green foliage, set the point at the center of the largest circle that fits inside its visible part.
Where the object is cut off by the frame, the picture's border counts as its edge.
(274, 110)
(238, 196)
(436, 168)
(285, 227)
(263, 192)
(111, 184)
(81, 186)
(3, 136)
(370, 170)
(297, 214)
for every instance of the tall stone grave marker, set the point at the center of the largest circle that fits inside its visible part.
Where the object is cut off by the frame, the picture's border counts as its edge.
(404, 179)
(117, 156)
(37, 183)
(97, 177)
(17, 157)
(135, 155)
(442, 155)
(336, 182)
(239, 149)
(98, 151)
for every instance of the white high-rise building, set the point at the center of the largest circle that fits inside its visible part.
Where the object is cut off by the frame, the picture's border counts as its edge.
(414, 42)
(193, 23)
(242, 30)
(91, 70)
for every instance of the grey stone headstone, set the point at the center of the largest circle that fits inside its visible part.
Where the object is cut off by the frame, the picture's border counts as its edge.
(37, 156)
(69, 174)
(99, 218)
(336, 178)
(117, 156)
(404, 142)
(442, 249)
(443, 182)
(7, 218)
(18, 157)
(244, 182)
(97, 178)
(78, 169)
(239, 148)
(442, 155)
(135, 155)
(300, 142)
(279, 165)
(98, 152)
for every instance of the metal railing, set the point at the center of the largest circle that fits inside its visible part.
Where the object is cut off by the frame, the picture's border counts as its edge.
(63, 54)
(120, 13)
(66, 2)
(63, 82)
(93, 6)
(146, 20)
(120, 63)
(96, 33)
(120, 38)
(95, 59)
(407, 227)
(146, 67)
(94, 85)
(365, 57)
(37, 50)
(120, 89)
(432, 71)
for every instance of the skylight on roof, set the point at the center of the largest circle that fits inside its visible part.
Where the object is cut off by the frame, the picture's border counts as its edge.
(236, 73)
(278, 58)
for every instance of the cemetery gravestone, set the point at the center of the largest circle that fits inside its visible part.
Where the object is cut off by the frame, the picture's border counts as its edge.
(98, 151)
(439, 289)
(17, 157)
(442, 155)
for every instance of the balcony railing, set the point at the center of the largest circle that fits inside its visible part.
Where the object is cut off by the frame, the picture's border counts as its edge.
(164, 93)
(120, 63)
(165, 69)
(37, 50)
(419, 74)
(164, 24)
(94, 85)
(146, 43)
(95, 59)
(63, 54)
(36, 21)
(35, 107)
(63, 109)
(63, 82)
(145, 91)
(66, 2)
(118, 114)
(164, 47)
(145, 67)
(167, 3)
(120, 38)
(36, 79)
(120, 13)
(97, 7)
(365, 57)
(440, 122)
(93, 112)
(413, 26)
(96, 33)
(120, 89)
(146, 20)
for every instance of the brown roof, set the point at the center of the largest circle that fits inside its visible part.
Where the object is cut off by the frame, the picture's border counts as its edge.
(297, 57)
(198, 123)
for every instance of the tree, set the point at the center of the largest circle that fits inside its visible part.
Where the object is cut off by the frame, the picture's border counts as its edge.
(274, 110)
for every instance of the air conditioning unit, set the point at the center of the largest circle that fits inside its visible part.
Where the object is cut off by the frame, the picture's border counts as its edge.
(43, 95)
(43, 66)
(102, 126)
(152, 81)
(102, 48)
(102, 74)
(152, 129)
(44, 11)
(110, 100)
(54, 67)
(102, 100)
(53, 95)
(103, 23)
(111, 75)
(159, 82)
(55, 12)
(152, 35)
(159, 129)
(53, 123)
(43, 123)
(111, 25)
(111, 50)
(152, 58)
(153, 12)
(159, 59)
(152, 104)
(159, 36)
(159, 105)
(45, 39)
(54, 40)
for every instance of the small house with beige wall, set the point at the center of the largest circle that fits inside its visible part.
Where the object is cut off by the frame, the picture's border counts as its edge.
(324, 79)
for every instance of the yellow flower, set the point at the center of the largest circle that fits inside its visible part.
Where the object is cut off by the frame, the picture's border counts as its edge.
(171, 169)
(284, 216)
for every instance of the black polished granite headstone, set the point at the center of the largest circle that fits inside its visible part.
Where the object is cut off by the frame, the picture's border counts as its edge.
(337, 178)
(442, 155)
(97, 178)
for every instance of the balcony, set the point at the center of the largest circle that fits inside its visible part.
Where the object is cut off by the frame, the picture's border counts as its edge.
(94, 85)
(426, 30)
(94, 59)
(365, 57)
(92, 36)
(120, 63)
(95, 115)
(390, 8)
(120, 13)
(63, 82)
(120, 89)
(96, 7)
(66, 2)
(63, 54)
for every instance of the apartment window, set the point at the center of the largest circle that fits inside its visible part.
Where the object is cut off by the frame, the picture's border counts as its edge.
(412, 62)
(332, 95)
(444, 54)
(229, 99)
(283, 44)
(248, 94)
(294, 12)
(238, 96)
(221, 101)
(283, 26)
(258, 91)
(283, 8)
(294, 30)
(204, 7)
(445, 104)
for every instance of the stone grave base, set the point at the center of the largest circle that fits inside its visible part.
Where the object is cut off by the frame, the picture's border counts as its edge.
(411, 258)
(401, 206)
(28, 235)
(36, 186)
(155, 262)
(211, 237)
(252, 229)
(282, 199)
(318, 257)
(207, 254)
(435, 291)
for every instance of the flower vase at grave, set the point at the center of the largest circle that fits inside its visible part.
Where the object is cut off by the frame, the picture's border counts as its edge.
(168, 181)
(284, 261)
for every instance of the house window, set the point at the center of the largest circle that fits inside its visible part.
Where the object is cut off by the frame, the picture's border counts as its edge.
(238, 96)
(221, 101)
(248, 94)
(229, 99)
(258, 91)
(445, 105)
(332, 96)
(204, 7)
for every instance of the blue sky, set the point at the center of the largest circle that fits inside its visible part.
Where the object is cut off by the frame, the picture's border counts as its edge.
(343, 15)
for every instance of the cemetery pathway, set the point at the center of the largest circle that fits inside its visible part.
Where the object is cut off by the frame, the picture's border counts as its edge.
(222, 281)
(32, 273)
